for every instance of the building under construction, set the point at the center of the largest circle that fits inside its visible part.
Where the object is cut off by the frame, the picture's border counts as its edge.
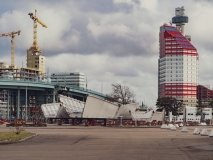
(35, 59)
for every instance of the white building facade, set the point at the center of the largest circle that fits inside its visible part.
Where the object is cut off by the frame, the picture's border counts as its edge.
(66, 78)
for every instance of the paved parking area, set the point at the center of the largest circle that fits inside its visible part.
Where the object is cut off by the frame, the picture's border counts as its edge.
(108, 143)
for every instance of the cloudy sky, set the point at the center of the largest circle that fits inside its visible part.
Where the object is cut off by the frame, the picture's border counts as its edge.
(111, 41)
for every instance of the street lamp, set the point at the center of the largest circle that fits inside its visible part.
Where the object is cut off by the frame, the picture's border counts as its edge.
(121, 121)
(184, 127)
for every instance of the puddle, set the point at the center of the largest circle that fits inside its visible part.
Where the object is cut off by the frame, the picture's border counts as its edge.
(204, 147)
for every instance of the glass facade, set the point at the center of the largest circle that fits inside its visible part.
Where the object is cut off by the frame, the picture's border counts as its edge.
(180, 19)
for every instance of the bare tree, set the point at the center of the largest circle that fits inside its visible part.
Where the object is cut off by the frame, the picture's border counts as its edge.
(170, 104)
(121, 94)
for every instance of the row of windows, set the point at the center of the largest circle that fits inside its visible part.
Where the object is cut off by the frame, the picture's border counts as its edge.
(38, 61)
(171, 43)
(37, 58)
(178, 63)
(183, 42)
(172, 47)
(179, 51)
(197, 114)
(188, 46)
(183, 72)
(178, 57)
(62, 80)
(176, 80)
(182, 88)
(180, 75)
(184, 96)
(77, 82)
(171, 29)
(185, 84)
(67, 77)
(184, 92)
(178, 35)
(68, 74)
(178, 67)
(180, 38)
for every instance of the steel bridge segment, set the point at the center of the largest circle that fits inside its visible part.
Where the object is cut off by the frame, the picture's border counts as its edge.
(32, 94)
(14, 84)
(80, 90)
(25, 97)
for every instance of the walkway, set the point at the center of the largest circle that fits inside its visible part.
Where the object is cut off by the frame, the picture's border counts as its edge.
(95, 143)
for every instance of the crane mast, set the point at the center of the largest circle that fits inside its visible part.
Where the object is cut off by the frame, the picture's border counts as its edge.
(12, 35)
(35, 46)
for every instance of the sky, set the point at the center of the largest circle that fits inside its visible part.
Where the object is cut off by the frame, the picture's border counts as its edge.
(110, 41)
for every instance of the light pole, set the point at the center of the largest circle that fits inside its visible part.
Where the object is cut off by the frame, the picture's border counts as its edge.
(184, 127)
(120, 121)
(8, 103)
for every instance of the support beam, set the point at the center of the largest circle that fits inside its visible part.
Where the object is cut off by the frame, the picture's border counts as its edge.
(11, 106)
(8, 100)
(18, 105)
(26, 116)
(53, 96)
(46, 96)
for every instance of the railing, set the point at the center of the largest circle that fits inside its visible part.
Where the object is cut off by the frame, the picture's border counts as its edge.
(35, 81)
(25, 81)
(82, 89)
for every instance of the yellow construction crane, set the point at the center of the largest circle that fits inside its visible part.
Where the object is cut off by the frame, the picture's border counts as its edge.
(35, 46)
(12, 35)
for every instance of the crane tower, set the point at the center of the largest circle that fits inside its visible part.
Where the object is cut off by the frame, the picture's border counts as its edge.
(35, 59)
(35, 20)
(12, 35)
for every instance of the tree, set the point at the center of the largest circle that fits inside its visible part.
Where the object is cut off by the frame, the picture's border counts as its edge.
(170, 104)
(121, 94)
(200, 107)
(211, 104)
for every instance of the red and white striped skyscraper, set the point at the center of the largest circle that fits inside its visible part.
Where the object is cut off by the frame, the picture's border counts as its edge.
(178, 62)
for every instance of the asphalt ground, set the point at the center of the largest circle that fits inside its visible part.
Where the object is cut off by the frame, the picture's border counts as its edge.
(109, 143)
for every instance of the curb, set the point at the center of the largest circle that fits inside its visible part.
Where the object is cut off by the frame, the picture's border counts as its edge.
(21, 140)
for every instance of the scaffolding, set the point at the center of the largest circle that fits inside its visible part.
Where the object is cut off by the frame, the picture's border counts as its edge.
(25, 103)
(20, 74)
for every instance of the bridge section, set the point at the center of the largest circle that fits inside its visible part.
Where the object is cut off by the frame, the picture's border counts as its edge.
(23, 99)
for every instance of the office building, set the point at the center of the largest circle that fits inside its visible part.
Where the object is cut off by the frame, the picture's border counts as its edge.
(72, 78)
(178, 62)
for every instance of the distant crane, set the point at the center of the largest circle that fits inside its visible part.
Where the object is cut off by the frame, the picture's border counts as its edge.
(12, 35)
(35, 46)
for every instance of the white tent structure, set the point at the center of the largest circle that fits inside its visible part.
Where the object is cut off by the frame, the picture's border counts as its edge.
(50, 110)
(96, 108)
(126, 110)
(73, 107)
(142, 116)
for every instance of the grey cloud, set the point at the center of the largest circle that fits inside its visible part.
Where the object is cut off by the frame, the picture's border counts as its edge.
(117, 45)
(120, 47)
(199, 1)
